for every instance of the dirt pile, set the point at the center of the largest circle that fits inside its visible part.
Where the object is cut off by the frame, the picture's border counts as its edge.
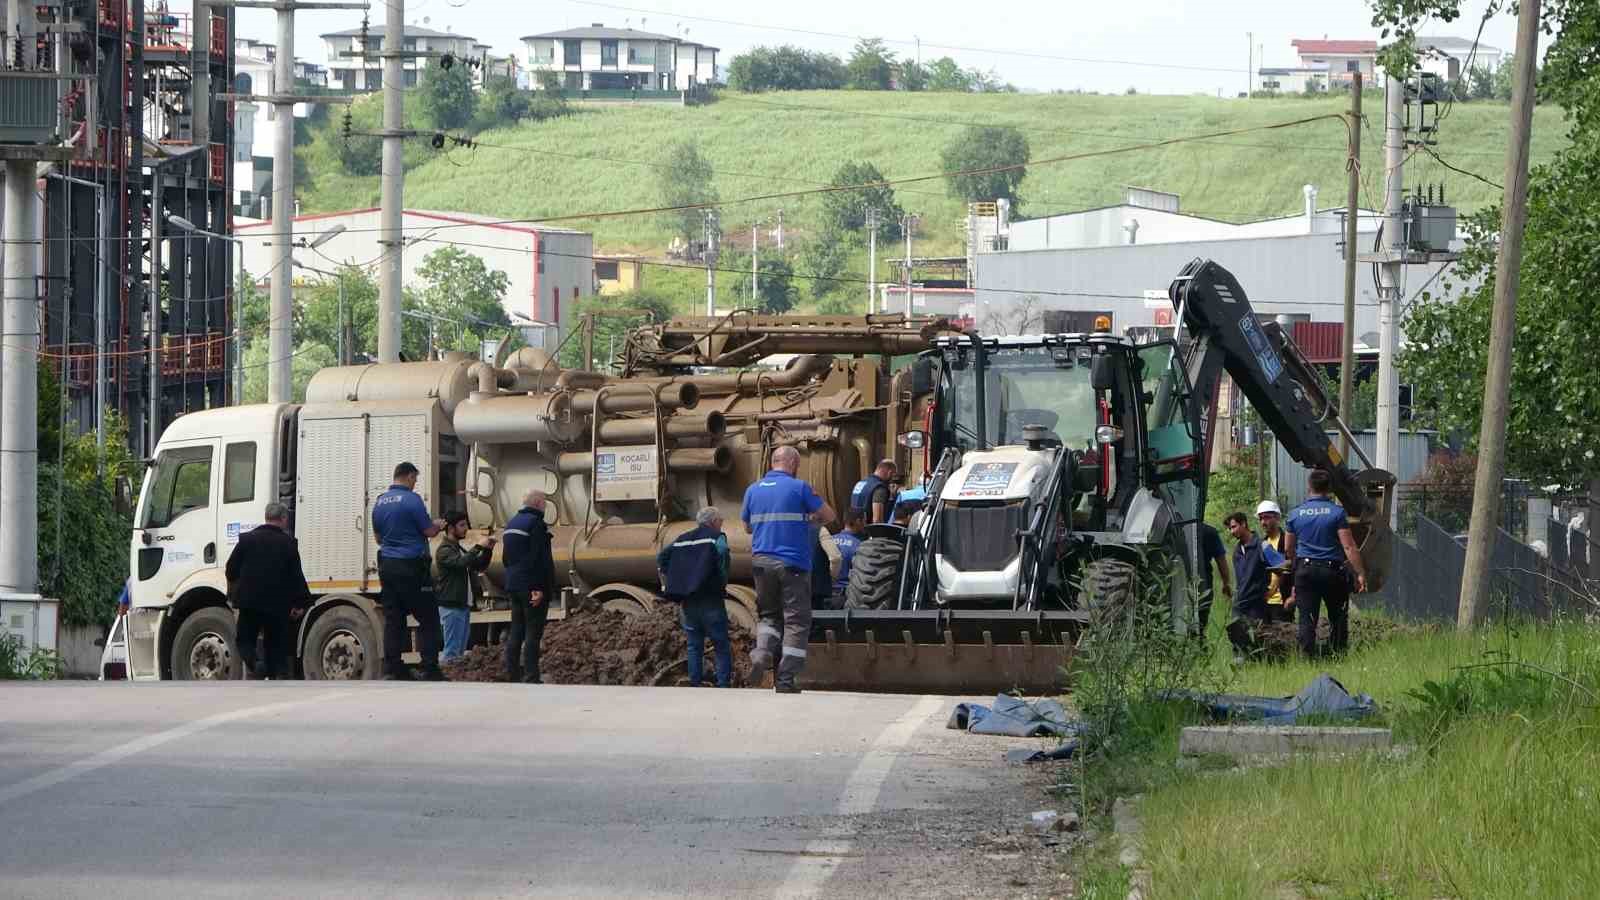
(594, 645)
(1279, 640)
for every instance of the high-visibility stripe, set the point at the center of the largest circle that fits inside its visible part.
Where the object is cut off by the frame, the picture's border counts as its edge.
(761, 518)
(515, 531)
(795, 651)
(694, 543)
(762, 630)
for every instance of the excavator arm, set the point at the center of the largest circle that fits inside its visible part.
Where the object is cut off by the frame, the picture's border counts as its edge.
(1221, 333)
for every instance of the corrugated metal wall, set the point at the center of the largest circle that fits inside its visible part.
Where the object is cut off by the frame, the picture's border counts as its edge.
(1290, 477)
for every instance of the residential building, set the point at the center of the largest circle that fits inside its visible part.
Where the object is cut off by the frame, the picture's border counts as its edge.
(348, 73)
(618, 274)
(548, 269)
(1341, 58)
(601, 58)
(1292, 79)
(253, 73)
(1450, 57)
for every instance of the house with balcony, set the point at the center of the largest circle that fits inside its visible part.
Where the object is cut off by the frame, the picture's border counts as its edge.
(598, 58)
(1340, 59)
(349, 73)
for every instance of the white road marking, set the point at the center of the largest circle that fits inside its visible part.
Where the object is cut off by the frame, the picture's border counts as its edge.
(139, 745)
(821, 857)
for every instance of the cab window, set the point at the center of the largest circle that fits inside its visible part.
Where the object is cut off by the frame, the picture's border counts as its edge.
(239, 473)
(182, 483)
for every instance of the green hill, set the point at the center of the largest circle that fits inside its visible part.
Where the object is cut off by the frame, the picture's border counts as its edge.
(601, 159)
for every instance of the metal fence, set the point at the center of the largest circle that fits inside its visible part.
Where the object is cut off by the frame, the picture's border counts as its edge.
(1425, 580)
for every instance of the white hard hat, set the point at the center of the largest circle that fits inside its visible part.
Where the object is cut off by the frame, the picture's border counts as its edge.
(1268, 506)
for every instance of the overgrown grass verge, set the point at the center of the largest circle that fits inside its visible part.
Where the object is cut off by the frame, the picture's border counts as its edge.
(1496, 795)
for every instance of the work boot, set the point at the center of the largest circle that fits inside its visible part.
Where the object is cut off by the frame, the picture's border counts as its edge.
(759, 663)
(512, 677)
(401, 674)
(434, 673)
(786, 688)
(532, 679)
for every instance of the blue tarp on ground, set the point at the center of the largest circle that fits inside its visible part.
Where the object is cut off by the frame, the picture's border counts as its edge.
(1323, 698)
(1013, 717)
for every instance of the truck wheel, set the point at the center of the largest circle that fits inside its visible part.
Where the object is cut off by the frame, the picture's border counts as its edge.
(342, 645)
(203, 649)
(1106, 588)
(875, 574)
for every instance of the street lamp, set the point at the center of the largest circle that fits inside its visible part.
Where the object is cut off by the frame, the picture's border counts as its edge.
(339, 278)
(320, 239)
(182, 224)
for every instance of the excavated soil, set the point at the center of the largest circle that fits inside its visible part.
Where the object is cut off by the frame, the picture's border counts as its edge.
(594, 645)
(1279, 640)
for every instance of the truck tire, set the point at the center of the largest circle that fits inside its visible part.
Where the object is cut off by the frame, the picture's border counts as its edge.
(1106, 587)
(1111, 590)
(342, 645)
(875, 574)
(204, 648)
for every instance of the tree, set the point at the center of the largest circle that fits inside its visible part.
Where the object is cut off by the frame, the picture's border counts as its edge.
(1502, 78)
(448, 100)
(913, 76)
(871, 66)
(685, 180)
(1551, 435)
(309, 359)
(945, 74)
(822, 259)
(502, 103)
(776, 282)
(846, 211)
(611, 327)
(465, 294)
(317, 311)
(981, 147)
(1480, 83)
(785, 68)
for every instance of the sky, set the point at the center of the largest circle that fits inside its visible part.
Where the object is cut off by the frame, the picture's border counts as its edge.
(1154, 46)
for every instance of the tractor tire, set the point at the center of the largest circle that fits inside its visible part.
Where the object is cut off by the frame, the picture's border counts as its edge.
(1106, 588)
(204, 649)
(875, 575)
(342, 645)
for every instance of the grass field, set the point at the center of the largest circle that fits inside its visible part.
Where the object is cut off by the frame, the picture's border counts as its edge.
(1499, 795)
(601, 159)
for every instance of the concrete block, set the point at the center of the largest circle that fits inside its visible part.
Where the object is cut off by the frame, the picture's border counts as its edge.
(1255, 740)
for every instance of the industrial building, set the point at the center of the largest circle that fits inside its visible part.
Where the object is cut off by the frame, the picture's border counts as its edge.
(122, 100)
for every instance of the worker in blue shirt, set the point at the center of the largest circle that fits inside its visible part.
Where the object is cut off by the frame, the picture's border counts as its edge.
(778, 512)
(1324, 555)
(848, 541)
(401, 525)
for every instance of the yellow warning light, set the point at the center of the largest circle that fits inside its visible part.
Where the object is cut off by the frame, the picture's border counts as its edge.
(1102, 323)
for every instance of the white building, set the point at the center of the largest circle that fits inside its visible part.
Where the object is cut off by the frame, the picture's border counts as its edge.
(348, 73)
(252, 122)
(601, 58)
(1341, 58)
(548, 269)
(1451, 58)
(1292, 79)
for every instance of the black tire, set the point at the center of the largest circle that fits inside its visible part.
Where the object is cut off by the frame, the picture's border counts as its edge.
(1114, 590)
(1106, 587)
(205, 649)
(342, 645)
(875, 575)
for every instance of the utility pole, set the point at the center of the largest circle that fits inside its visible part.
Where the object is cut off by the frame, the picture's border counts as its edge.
(908, 224)
(392, 196)
(1393, 254)
(1497, 381)
(755, 265)
(19, 380)
(1352, 207)
(1249, 64)
(711, 262)
(872, 259)
(780, 229)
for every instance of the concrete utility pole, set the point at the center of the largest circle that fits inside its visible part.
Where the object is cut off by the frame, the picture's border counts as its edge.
(1393, 252)
(908, 224)
(392, 197)
(1250, 63)
(711, 262)
(19, 381)
(1352, 209)
(872, 259)
(755, 264)
(1497, 381)
(780, 229)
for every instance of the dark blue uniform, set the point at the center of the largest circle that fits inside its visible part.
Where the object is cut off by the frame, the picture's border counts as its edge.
(848, 543)
(400, 521)
(1321, 572)
(778, 511)
(865, 492)
(529, 567)
(696, 567)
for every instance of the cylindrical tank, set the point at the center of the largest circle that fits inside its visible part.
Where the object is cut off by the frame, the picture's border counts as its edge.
(621, 431)
(693, 459)
(516, 419)
(682, 395)
(445, 380)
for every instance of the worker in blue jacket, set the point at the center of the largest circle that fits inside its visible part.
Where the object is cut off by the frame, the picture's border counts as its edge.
(694, 574)
(779, 511)
(402, 527)
(531, 582)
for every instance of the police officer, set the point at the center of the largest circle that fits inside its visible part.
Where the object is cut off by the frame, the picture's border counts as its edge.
(873, 496)
(531, 582)
(848, 541)
(401, 525)
(694, 573)
(778, 512)
(1324, 554)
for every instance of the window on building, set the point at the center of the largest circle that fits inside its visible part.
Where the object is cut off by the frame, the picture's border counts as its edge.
(411, 78)
(374, 80)
(410, 44)
(605, 270)
(555, 303)
(572, 53)
(347, 80)
(239, 473)
(608, 53)
(1352, 65)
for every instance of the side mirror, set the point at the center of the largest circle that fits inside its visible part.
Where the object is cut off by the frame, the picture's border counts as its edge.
(913, 440)
(124, 496)
(1103, 373)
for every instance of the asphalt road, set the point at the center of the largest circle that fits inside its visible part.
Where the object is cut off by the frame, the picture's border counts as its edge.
(434, 790)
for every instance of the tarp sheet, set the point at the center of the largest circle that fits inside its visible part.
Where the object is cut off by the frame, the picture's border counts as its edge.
(1323, 698)
(1013, 717)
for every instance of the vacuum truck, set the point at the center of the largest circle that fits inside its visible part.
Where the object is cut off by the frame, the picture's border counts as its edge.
(626, 459)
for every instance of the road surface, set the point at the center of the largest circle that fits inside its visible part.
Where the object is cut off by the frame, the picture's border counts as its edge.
(432, 790)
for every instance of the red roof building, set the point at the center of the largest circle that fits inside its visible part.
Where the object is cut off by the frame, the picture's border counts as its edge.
(1340, 59)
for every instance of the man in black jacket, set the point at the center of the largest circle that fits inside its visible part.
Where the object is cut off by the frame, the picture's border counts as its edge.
(453, 568)
(531, 582)
(268, 586)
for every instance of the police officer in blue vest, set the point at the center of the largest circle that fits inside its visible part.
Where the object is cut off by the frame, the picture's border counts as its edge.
(694, 573)
(1319, 546)
(778, 512)
(402, 527)
(848, 541)
(873, 496)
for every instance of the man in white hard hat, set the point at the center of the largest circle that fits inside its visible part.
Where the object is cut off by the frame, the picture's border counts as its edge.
(1280, 590)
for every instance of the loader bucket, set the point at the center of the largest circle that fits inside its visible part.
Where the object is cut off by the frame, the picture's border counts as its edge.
(1372, 532)
(941, 651)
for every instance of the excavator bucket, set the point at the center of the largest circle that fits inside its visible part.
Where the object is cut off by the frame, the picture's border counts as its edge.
(941, 651)
(1372, 531)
